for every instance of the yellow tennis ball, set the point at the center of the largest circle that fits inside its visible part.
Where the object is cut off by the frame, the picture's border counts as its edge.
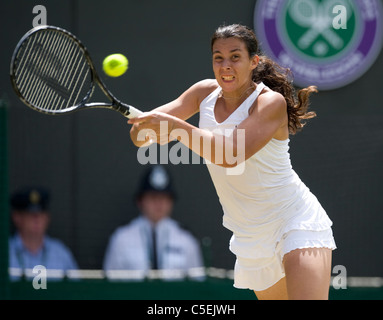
(115, 65)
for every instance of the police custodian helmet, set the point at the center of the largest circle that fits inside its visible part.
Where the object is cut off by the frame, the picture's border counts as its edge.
(158, 179)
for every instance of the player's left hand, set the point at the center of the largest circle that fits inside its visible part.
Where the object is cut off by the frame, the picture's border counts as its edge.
(152, 127)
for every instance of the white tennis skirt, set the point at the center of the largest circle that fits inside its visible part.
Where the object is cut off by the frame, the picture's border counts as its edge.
(261, 273)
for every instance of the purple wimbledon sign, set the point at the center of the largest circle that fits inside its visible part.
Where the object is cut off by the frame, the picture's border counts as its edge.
(327, 43)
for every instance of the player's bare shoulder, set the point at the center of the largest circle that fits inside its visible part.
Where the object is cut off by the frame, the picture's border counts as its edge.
(269, 98)
(270, 104)
(203, 88)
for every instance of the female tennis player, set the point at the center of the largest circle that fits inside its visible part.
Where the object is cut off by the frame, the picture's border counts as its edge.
(282, 237)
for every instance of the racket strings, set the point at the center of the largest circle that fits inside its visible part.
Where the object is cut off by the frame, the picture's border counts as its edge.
(52, 72)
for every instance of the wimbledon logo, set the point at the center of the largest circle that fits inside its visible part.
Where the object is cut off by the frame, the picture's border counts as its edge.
(327, 43)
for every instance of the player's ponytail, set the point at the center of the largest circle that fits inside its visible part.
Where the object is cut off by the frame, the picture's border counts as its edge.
(277, 79)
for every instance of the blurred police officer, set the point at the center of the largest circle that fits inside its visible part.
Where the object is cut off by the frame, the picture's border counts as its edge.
(153, 240)
(30, 246)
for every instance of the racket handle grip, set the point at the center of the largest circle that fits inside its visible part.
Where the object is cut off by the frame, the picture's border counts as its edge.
(133, 112)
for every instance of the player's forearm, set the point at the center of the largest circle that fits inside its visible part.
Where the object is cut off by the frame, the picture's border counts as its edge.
(177, 109)
(215, 147)
(220, 148)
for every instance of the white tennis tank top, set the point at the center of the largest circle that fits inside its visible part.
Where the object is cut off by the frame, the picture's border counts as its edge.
(267, 199)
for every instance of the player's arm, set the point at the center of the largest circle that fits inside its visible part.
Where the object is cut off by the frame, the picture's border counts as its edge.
(187, 104)
(184, 107)
(268, 119)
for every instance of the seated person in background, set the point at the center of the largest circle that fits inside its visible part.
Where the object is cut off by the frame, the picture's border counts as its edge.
(30, 246)
(153, 240)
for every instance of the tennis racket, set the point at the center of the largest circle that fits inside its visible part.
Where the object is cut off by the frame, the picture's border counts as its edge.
(52, 72)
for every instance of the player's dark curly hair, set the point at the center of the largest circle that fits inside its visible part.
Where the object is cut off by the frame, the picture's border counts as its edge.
(272, 75)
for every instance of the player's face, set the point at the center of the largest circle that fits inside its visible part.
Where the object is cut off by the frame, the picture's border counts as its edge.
(232, 65)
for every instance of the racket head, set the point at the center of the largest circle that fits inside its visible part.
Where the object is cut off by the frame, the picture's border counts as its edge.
(51, 71)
